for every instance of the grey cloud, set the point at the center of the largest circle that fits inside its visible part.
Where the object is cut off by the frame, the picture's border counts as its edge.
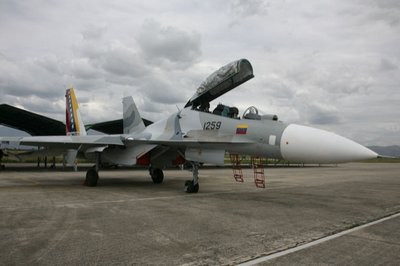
(161, 91)
(14, 8)
(319, 117)
(348, 84)
(240, 10)
(20, 78)
(93, 33)
(169, 45)
(387, 65)
(50, 63)
(330, 78)
(246, 8)
(317, 113)
(123, 62)
(81, 68)
(54, 109)
(385, 10)
(109, 58)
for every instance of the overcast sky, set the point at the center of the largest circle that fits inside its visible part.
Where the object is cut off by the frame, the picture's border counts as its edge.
(334, 65)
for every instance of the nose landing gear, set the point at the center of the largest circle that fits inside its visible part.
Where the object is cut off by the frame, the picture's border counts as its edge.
(192, 186)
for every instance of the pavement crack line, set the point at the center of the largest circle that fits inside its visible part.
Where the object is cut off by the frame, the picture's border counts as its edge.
(316, 242)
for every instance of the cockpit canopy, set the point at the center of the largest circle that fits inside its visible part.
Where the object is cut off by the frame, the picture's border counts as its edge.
(252, 113)
(221, 81)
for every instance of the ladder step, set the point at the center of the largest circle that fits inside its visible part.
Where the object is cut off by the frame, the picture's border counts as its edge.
(238, 177)
(259, 183)
(236, 167)
(258, 170)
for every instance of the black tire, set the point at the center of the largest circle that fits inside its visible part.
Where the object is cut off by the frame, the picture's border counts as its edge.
(91, 177)
(190, 188)
(196, 188)
(157, 175)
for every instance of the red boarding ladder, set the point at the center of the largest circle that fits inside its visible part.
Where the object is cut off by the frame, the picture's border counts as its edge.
(236, 167)
(258, 168)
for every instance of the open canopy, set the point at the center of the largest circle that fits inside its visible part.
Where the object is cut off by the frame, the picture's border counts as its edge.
(221, 81)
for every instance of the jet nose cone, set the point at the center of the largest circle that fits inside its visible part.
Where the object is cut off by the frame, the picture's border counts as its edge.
(310, 145)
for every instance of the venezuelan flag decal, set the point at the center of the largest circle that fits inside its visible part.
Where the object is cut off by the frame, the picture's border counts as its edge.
(241, 129)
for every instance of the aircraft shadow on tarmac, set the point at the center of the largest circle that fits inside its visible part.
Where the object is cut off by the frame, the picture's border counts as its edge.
(44, 179)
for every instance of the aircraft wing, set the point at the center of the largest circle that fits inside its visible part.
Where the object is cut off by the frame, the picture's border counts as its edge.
(207, 147)
(65, 141)
(190, 140)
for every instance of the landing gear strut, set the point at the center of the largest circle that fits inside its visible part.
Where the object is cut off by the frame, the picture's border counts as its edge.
(92, 175)
(192, 186)
(157, 175)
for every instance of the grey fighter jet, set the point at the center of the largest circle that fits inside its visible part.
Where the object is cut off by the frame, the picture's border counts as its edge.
(195, 135)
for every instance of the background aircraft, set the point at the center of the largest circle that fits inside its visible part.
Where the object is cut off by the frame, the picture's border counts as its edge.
(39, 125)
(196, 135)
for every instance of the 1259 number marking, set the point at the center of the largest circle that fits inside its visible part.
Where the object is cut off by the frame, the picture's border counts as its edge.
(212, 125)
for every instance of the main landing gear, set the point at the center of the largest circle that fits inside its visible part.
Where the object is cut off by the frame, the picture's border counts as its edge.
(92, 175)
(2, 167)
(157, 175)
(192, 186)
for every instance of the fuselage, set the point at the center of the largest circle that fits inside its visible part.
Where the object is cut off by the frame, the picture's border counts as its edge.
(264, 137)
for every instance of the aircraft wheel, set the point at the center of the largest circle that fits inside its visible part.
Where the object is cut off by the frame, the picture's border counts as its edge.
(91, 177)
(157, 175)
(190, 188)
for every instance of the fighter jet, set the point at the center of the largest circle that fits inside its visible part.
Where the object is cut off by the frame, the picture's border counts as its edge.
(195, 135)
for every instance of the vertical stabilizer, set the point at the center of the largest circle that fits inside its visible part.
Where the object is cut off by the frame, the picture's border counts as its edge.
(73, 121)
(132, 120)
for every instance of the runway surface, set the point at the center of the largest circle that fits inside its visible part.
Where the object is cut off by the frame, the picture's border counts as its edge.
(48, 217)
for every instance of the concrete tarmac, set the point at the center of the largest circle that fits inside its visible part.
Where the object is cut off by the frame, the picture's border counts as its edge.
(47, 217)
